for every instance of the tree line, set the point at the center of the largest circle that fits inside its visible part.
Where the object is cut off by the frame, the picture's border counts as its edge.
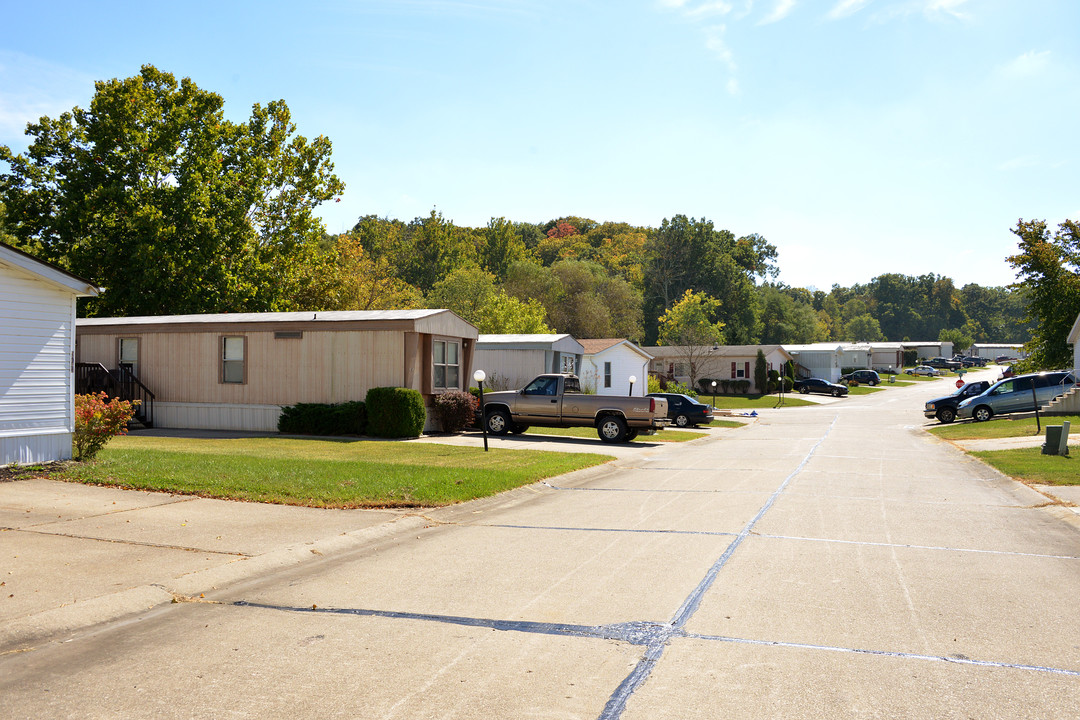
(152, 193)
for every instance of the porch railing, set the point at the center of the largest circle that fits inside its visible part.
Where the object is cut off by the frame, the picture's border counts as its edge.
(120, 383)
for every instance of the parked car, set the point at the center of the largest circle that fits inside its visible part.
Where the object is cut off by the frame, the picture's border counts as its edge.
(944, 408)
(1003, 359)
(923, 370)
(866, 377)
(685, 411)
(979, 361)
(1017, 394)
(944, 363)
(817, 385)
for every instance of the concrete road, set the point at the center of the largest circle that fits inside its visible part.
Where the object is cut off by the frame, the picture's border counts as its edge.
(829, 561)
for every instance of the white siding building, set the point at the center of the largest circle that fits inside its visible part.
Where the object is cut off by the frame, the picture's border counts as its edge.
(608, 364)
(511, 361)
(1074, 339)
(822, 360)
(37, 350)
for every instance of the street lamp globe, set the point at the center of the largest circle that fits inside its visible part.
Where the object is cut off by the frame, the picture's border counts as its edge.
(479, 376)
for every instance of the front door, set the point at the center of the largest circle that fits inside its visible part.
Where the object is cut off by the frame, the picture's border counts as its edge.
(129, 354)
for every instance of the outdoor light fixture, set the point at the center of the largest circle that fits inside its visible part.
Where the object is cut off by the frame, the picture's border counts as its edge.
(480, 376)
(633, 379)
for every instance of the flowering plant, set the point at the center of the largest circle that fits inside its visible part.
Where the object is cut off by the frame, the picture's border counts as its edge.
(98, 421)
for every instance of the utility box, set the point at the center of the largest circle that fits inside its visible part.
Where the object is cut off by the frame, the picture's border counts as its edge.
(1057, 440)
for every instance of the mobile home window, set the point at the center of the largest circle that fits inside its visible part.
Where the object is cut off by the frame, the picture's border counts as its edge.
(232, 359)
(446, 363)
(607, 374)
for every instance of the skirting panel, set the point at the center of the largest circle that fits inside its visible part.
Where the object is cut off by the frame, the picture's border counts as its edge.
(216, 416)
(33, 449)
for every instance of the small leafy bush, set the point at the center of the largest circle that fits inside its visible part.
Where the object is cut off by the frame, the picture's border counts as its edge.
(455, 410)
(348, 418)
(98, 420)
(395, 412)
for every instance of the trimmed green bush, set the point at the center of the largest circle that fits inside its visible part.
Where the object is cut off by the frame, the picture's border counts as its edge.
(395, 412)
(349, 418)
(455, 410)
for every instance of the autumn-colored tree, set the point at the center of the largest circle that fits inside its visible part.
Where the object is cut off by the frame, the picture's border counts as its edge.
(690, 325)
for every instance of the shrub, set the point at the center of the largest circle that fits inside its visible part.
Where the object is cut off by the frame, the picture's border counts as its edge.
(455, 410)
(97, 422)
(395, 412)
(348, 418)
(678, 387)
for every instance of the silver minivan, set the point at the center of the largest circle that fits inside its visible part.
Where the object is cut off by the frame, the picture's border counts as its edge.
(1017, 394)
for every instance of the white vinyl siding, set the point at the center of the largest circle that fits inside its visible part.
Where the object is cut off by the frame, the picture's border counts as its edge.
(624, 363)
(36, 343)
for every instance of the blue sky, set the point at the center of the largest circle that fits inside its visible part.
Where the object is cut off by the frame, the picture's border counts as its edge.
(858, 136)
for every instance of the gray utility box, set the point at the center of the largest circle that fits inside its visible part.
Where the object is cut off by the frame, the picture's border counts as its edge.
(1057, 440)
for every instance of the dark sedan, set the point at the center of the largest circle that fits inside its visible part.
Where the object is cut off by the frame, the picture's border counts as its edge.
(684, 410)
(817, 385)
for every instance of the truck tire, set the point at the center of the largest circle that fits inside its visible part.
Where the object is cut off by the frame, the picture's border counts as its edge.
(632, 435)
(612, 429)
(516, 429)
(498, 422)
(946, 415)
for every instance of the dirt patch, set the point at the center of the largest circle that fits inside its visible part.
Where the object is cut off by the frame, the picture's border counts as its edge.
(9, 473)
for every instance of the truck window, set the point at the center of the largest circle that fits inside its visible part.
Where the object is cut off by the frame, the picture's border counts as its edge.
(542, 386)
(571, 385)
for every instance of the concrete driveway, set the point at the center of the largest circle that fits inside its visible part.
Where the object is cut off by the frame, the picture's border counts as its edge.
(828, 561)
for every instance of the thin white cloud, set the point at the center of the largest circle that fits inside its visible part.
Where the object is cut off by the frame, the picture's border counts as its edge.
(715, 43)
(1028, 65)
(845, 8)
(945, 7)
(782, 9)
(717, 7)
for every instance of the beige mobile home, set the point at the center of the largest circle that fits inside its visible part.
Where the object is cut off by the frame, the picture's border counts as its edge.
(236, 371)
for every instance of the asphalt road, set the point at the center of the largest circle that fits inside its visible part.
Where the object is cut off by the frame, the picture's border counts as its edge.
(823, 562)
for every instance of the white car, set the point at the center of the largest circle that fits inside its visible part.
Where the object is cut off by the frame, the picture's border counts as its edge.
(924, 370)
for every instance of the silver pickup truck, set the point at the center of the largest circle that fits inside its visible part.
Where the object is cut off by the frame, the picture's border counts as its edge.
(557, 401)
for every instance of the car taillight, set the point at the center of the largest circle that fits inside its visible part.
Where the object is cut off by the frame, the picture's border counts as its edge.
(652, 405)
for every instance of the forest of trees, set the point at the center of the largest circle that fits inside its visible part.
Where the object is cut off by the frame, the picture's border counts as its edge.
(153, 194)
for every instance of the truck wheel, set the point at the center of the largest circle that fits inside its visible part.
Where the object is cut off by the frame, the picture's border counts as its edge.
(632, 435)
(982, 413)
(498, 422)
(612, 429)
(518, 429)
(946, 415)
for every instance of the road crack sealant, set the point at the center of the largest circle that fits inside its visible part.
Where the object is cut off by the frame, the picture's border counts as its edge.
(655, 636)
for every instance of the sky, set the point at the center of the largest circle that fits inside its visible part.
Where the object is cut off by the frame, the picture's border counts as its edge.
(860, 137)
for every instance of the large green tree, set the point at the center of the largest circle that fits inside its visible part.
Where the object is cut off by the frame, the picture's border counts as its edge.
(1048, 269)
(691, 325)
(153, 194)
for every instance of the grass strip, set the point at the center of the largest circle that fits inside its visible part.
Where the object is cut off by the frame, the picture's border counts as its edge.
(322, 473)
(1029, 465)
(1003, 427)
(753, 402)
(585, 432)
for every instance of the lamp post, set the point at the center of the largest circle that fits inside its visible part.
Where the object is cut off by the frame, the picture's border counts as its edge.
(633, 379)
(480, 376)
(714, 394)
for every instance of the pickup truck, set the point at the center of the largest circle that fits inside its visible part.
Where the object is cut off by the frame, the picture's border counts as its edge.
(556, 400)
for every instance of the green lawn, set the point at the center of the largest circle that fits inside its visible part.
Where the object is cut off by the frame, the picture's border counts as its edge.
(1002, 427)
(322, 473)
(752, 402)
(1029, 465)
(588, 432)
(863, 389)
